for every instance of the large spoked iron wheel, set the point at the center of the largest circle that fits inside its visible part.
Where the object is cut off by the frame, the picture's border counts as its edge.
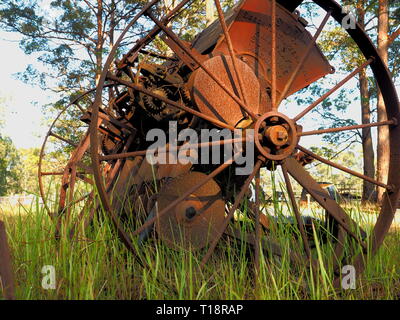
(236, 74)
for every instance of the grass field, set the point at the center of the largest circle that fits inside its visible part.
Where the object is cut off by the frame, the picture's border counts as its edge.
(96, 265)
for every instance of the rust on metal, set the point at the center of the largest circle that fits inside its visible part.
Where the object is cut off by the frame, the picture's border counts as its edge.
(250, 29)
(6, 273)
(195, 221)
(212, 100)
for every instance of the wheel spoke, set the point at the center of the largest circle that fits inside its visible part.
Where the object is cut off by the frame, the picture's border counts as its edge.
(51, 173)
(76, 104)
(70, 174)
(333, 90)
(231, 213)
(267, 244)
(71, 187)
(355, 127)
(170, 102)
(342, 168)
(323, 198)
(62, 139)
(273, 57)
(178, 42)
(131, 56)
(306, 54)
(172, 149)
(117, 166)
(83, 178)
(230, 48)
(83, 212)
(300, 224)
(116, 122)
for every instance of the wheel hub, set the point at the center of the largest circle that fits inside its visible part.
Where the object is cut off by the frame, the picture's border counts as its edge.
(275, 136)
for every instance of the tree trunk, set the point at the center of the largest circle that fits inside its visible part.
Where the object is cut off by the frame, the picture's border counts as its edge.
(368, 150)
(383, 151)
(100, 40)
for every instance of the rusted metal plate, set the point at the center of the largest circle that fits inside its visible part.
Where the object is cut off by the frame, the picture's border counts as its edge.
(6, 274)
(212, 100)
(194, 222)
(250, 30)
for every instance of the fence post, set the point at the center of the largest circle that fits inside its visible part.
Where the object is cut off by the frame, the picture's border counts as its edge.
(6, 274)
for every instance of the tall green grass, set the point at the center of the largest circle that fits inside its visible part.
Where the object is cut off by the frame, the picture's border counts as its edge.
(96, 265)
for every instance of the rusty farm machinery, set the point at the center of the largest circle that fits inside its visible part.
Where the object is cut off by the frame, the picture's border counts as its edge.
(234, 75)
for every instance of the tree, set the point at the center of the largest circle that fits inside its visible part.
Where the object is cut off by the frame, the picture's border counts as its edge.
(9, 165)
(341, 50)
(29, 159)
(368, 149)
(71, 37)
(385, 40)
(335, 42)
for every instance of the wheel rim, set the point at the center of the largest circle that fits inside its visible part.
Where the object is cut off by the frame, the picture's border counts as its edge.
(73, 169)
(65, 199)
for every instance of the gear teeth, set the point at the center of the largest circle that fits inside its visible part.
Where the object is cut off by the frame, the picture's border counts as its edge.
(187, 99)
(149, 102)
(107, 145)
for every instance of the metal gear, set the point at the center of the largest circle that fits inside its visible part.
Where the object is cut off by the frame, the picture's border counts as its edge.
(153, 105)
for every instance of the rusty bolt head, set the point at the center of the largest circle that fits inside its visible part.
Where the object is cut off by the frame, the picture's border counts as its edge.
(274, 119)
(277, 135)
(263, 124)
(282, 135)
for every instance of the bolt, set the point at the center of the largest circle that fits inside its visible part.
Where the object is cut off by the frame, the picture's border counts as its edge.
(274, 119)
(263, 124)
(190, 213)
(282, 135)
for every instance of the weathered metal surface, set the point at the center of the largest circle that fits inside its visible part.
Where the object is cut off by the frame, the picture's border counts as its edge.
(6, 273)
(276, 136)
(213, 101)
(323, 198)
(250, 30)
(194, 222)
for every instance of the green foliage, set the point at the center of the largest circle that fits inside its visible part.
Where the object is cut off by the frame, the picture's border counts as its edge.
(343, 53)
(65, 37)
(9, 167)
(29, 159)
(347, 156)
